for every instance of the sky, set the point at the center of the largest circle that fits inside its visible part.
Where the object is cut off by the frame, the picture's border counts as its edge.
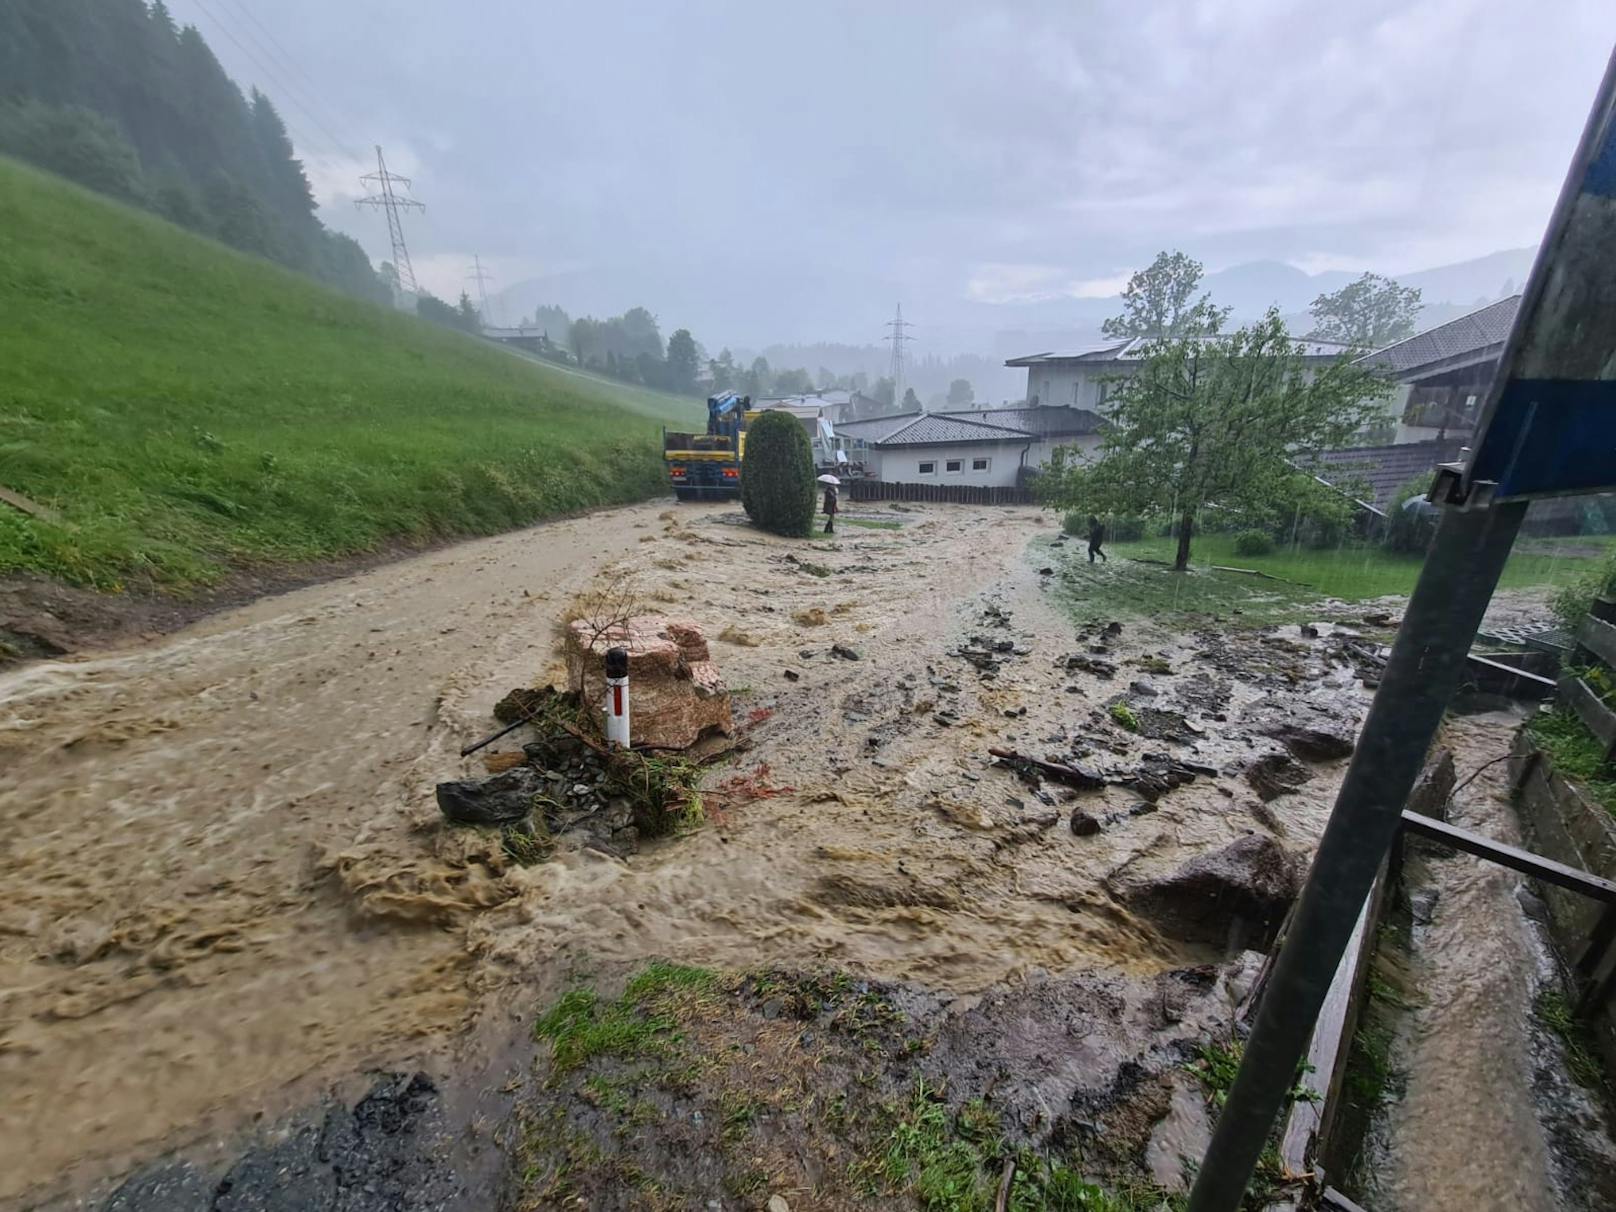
(763, 172)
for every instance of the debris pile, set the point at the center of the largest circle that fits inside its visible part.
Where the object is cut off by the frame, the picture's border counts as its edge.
(1235, 897)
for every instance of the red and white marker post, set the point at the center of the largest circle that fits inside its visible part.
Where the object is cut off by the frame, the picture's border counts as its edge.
(617, 731)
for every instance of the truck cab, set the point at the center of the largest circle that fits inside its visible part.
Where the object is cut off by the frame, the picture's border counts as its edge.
(707, 466)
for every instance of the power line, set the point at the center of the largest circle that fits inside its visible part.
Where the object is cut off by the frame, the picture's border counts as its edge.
(386, 199)
(272, 77)
(285, 58)
(898, 334)
(480, 276)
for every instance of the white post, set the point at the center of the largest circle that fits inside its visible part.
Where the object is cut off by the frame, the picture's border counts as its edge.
(617, 730)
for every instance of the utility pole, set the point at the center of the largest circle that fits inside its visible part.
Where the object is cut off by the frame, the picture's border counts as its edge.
(480, 276)
(385, 198)
(898, 334)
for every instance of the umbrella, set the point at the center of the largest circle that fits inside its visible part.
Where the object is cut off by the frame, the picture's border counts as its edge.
(830, 480)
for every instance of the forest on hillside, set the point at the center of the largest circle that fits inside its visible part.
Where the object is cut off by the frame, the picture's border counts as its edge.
(114, 95)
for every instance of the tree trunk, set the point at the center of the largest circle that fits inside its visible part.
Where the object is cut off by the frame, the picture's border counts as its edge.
(1186, 527)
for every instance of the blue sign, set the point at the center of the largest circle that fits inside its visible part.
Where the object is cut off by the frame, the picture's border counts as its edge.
(1549, 425)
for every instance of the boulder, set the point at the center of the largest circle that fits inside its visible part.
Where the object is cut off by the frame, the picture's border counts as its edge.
(1237, 895)
(675, 691)
(1320, 729)
(1276, 774)
(502, 800)
(1435, 784)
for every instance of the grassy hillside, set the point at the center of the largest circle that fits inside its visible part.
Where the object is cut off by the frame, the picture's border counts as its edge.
(185, 408)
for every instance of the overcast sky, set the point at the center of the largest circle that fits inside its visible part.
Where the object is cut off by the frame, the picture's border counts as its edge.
(761, 171)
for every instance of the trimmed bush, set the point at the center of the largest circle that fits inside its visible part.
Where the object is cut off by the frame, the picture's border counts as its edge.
(1408, 531)
(777, 476)
(1253, 543)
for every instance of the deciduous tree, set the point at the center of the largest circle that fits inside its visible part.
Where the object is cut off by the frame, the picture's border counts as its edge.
(961, 394)
(1160, 301)
(682, 362)
(1366, 314)
(1215, 422)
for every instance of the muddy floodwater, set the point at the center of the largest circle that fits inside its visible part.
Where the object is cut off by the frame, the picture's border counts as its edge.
(226, 882)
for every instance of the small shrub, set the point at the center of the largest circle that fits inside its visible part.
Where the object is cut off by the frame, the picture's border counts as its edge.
(1126, 528)
(1075, 523)
(1408, 530)
(1253, 543)
(777, 477)
(1124, 716)
(1572, 601)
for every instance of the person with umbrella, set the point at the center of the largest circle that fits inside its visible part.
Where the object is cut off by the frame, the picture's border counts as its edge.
(831, 483)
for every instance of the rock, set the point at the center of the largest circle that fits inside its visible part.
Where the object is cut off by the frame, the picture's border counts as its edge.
(1046, 572)
(1422, 904)
(1276, 774)
(1264, 816)
(1084, 824)
(843, 651)
(502, 800)
(675, 691)
(1231, 896)
(1533, 905)
(814, 616)
(1112, 630)
(1314, 730)
(777, 1203)
(791, 675)
(1434, 786)
(1309, 631)
(1142, 688)
(1092, 664)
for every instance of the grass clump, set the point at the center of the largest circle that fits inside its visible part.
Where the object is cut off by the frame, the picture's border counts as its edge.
(1123, 716)
(643, 1022)
(872, 524)
(187, 409)
(1555, 1013)
(1575, 753)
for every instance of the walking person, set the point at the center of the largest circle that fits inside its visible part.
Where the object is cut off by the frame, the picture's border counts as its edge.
(830, 509)
(1096, 539)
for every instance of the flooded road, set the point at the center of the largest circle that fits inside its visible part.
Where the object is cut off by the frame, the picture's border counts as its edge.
(227, 882)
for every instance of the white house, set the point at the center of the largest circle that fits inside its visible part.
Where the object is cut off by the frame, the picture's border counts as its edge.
(937, 448)
(1080, 379)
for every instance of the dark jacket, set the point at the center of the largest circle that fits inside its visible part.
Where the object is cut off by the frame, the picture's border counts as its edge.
(830, 500)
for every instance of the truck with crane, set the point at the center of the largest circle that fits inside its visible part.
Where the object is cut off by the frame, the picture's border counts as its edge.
(707, 466)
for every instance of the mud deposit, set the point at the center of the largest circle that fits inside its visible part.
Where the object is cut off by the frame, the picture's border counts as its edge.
(226, 878)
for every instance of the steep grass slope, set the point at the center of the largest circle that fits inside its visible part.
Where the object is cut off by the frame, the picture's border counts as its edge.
(186, 409)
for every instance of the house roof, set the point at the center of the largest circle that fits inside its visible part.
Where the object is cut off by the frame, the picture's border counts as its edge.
(873, 429)
(1476, 337)
(1135, 348)
(938, 429)
(1385, 469)
(1045, 421)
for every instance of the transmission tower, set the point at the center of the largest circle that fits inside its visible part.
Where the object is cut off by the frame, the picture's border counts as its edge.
(481, 276)
(387, 199)
(898, 334)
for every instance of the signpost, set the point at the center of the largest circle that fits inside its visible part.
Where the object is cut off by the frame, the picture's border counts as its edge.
(1548, 428)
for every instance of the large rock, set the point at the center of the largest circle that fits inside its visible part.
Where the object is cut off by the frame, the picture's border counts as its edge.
(675, 691)
(502, 800)
(1276, 774)
(1434, 786)
(1232, 897)
(1319, 729)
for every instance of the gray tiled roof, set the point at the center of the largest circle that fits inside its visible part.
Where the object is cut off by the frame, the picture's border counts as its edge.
(1476, 336)
(1046, 421)
(936, 429)
(1135, 348)
(1385, 469)
(873, 429)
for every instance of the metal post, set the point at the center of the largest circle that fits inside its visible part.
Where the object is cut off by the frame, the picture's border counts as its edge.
(1461, 571)
(617, 729)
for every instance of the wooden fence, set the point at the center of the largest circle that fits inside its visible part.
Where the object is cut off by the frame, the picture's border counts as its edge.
(953, 494)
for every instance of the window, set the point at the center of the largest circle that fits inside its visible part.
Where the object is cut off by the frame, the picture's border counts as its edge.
(928, 468)
(952, 467)
(979, 464)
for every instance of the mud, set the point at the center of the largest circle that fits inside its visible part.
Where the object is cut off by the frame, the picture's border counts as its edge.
(227, 878)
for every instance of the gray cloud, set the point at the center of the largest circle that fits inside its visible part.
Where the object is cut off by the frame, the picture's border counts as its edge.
(770, 173)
